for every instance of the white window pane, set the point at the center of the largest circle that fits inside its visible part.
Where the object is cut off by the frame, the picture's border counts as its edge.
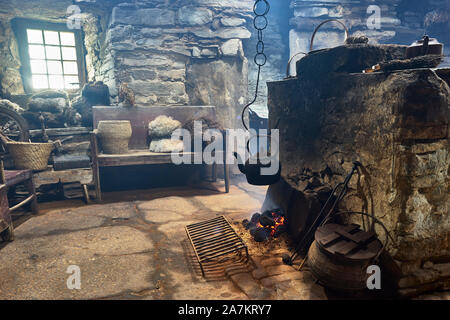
(51, 37)
(72, 82)
(36, 52)
(67, 39)
(38, 66)
(40, 82)
(53, 53)
(35, 36)
(70, 67)
(56, 82)
(69, 53)
(54, 67)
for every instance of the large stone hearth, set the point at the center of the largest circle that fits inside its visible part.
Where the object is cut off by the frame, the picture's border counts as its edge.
(396, 124)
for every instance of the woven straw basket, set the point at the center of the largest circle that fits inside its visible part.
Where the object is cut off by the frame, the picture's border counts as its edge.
(33, 156)
(114, 136)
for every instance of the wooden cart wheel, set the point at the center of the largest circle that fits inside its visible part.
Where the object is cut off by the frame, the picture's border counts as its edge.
(12, 126)
(8, 234)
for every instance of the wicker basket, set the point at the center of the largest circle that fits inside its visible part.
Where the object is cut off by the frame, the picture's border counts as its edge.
(27, 155)
(114, 136)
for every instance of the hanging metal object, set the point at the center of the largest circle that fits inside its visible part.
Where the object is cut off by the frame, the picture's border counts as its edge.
(253, 166)
(288, 69)
(311, 46)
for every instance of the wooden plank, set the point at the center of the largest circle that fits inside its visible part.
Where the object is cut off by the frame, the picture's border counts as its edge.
(2, 173)
(61, 132)
(359, 237)
(140, 157)
(368, 252)
(83, 176)
(5, 217)
(14, 177)
(68, 161)
(95, 166)
(328, 233)
(342, 247)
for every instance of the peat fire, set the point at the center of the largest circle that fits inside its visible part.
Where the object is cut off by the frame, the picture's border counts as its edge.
(271, 223)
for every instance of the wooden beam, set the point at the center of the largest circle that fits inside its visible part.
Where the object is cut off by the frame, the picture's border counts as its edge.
(60, 132)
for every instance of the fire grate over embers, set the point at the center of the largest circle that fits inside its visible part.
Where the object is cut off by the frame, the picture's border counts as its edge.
(213, 240)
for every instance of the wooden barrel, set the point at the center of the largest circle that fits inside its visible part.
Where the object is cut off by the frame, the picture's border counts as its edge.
(340, 255)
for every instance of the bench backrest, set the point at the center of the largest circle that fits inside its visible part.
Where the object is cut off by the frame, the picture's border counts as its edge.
(141, 116)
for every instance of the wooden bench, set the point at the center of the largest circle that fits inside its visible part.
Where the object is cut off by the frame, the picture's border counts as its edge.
(139, 153)
(10, 179)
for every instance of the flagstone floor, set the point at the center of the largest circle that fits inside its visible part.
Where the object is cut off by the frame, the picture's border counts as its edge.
(134, 246)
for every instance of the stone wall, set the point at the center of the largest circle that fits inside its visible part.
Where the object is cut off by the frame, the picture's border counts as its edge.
(402, 22)
(185, 52)
(161, 47)
(170, 53)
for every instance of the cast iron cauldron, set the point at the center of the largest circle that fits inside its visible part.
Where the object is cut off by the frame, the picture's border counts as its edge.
(252, 170)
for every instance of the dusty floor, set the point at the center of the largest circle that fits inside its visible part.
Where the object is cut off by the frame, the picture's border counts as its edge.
(133, 246)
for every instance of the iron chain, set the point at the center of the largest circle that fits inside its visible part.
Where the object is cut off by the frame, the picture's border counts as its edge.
(261, 8)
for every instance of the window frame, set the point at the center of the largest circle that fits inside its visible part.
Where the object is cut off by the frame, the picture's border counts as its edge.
(20, 27)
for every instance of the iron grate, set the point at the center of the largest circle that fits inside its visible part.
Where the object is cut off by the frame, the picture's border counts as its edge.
(214, 239)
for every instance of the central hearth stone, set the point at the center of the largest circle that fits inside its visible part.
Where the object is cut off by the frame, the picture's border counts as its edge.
(397, 125)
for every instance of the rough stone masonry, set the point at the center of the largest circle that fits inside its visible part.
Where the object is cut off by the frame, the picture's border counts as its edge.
(397, 125)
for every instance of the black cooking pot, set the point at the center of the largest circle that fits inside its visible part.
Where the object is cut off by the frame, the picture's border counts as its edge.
(253, 167)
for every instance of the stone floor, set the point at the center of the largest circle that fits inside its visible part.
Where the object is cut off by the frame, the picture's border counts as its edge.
(134, 246)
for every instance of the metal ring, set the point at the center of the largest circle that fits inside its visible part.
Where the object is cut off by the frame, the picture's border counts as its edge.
(255, 22)
(260, 47)
(264, 59)
(321, 24)
(260, 35)
(267, 7)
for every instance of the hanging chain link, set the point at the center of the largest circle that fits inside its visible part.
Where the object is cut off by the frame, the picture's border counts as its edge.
(260, 9)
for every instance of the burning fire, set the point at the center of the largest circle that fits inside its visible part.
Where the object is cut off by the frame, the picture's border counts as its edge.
(279, 221)
(269, 224)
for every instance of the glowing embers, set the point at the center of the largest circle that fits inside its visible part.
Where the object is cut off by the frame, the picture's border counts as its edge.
(269, 224)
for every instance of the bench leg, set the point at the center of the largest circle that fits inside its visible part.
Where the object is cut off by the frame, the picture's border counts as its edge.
(29, 185)
(214, 172)
(227, 177)
(86, 194)
(95, 167)
(98, 189)
(8, 234)
(226, 167)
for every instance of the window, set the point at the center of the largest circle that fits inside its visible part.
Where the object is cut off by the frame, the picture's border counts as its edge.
(51, 56)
